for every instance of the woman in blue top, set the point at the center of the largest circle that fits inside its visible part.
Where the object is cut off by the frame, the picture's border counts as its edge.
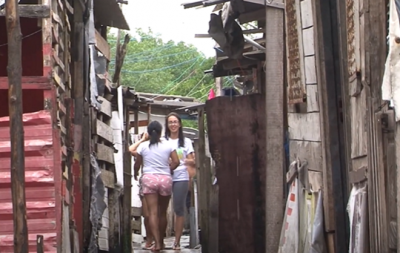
(180, 177)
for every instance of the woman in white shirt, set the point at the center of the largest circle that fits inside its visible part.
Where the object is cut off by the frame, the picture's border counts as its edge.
(155, 155)
(180, 176)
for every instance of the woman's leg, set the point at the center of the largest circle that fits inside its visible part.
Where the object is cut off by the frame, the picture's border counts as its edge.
(163, 202)
(179, 191)
(165, 191)
(145, 213)
(152, 206)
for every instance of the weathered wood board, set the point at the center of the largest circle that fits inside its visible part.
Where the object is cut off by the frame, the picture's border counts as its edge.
(240, 170)
(103, 130)
(104, 153)
(312, 98)
(307, 150)
(304, 126)
(359, 136)
(295, 58)
(106, 107)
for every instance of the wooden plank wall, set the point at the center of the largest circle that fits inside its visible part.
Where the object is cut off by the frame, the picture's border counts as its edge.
(311, 135)
(303, 118)
(102, 140)
(370, 122)
(57, 61)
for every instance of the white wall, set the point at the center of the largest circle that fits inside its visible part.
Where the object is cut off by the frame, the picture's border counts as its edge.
(143, 116)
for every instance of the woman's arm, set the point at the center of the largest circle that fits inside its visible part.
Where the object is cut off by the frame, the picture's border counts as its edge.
(190, 160)
(138, 164)
(135, 145)
(174, 162)
(190, 164)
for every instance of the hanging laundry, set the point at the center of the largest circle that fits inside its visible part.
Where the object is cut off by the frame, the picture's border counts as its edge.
(391, 78)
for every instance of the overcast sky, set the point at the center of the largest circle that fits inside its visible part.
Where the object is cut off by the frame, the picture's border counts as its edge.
(169, 19)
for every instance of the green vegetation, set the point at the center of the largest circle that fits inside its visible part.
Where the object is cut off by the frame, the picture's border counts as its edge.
(154, 66)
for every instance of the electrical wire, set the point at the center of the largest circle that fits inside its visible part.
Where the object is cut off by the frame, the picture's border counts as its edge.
(24, 37)
(194, 87)
(139, 59)
(159, 69)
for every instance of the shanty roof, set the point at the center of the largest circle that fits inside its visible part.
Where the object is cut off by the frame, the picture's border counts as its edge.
(108, 13)
(206, 3)
(160, 104)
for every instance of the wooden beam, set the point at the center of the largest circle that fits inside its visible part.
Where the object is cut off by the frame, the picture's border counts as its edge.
(103, 46)
(142, 123)
(35, 83)
(14, 71)
(127, 198)
(31, 11)
(275, 158)
(327, 65)
(250, 31)
(272, 4)
(251, 16)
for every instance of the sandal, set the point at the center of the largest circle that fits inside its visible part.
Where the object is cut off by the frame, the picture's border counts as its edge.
(177, 246)
(153, 247)
(149, 246)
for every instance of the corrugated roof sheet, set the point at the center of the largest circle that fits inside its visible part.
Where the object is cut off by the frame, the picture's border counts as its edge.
(39, 182)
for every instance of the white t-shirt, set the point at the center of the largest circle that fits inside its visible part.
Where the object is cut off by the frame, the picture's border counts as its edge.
(156, 157)
(181, 173)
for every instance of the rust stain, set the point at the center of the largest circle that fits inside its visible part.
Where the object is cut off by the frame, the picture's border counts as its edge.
(351, 40)
(39, 182)
(296, 91)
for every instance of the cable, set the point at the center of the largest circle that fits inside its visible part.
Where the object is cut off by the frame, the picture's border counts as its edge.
(24, 37)
(171, 83)
(159, 69)
(194, 87)
(139, 59)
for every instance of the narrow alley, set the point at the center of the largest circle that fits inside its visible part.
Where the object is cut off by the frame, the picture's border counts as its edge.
(275, 124)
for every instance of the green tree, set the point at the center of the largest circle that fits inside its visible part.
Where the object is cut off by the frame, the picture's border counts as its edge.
(155, 66)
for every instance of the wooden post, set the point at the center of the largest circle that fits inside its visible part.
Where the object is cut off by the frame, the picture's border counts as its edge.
(127, 204)
(205, 186)
(219, 83)
(16, 127)
(275, 159)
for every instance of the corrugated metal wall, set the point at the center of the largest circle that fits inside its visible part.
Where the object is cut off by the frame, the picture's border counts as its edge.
(39, 178)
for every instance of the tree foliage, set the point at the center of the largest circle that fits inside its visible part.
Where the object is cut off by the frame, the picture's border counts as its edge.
(155, 66)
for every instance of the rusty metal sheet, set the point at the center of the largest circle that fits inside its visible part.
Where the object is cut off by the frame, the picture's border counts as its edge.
(296, 92)
(236, 130)
(39, 182)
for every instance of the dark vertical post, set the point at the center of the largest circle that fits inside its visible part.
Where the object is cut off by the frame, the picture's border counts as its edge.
(16, 127)
(39, 244)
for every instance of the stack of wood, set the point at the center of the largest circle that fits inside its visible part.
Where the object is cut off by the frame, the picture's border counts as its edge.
(136, 222)
(103, 142)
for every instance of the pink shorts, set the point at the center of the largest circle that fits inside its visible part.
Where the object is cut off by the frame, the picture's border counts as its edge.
(157, 183)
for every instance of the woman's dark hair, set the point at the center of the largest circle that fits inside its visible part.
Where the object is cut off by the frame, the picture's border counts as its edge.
(180, 131)
(154, 130)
